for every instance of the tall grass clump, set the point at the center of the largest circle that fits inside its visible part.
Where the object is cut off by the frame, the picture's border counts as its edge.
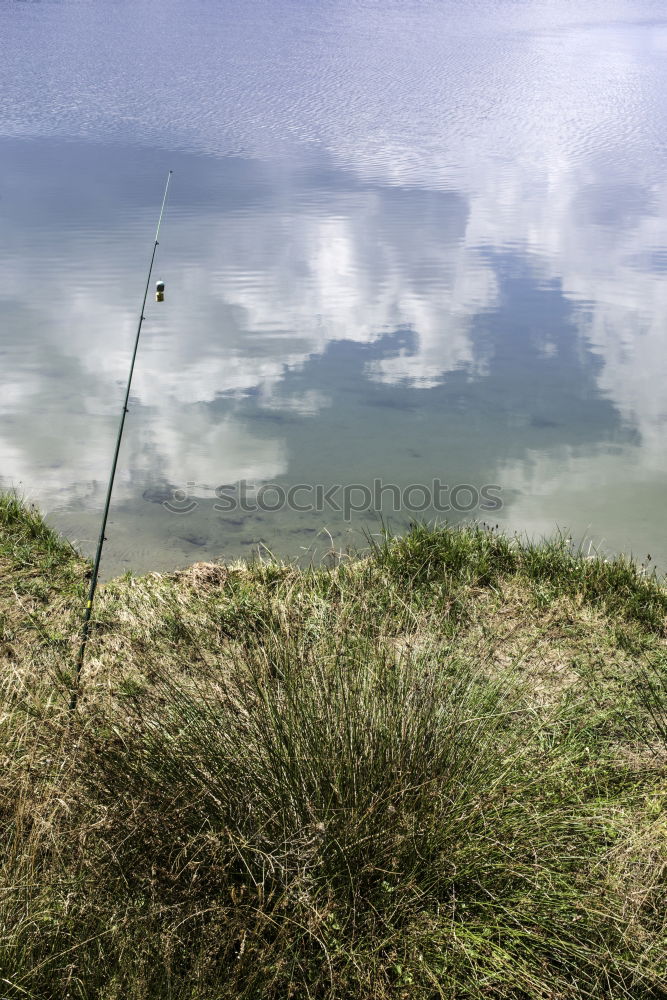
(353, 825)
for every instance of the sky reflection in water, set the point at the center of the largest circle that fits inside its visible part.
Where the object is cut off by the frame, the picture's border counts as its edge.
(402, 243)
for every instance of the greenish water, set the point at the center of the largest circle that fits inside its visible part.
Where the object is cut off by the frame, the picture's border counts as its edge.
(405, 244)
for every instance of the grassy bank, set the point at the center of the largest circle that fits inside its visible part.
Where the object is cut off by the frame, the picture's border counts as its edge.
(434, 771)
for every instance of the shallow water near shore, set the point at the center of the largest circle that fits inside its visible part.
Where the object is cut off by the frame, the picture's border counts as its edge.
(404, 244)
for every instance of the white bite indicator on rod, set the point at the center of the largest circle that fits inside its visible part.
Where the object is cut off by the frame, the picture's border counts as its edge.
(159, 291)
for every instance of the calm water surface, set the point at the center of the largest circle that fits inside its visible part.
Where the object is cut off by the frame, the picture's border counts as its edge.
(406, 241)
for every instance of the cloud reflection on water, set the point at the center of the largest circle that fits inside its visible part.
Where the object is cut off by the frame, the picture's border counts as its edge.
(392, 197)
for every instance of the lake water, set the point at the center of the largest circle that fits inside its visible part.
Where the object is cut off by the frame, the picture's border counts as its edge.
(415, 256)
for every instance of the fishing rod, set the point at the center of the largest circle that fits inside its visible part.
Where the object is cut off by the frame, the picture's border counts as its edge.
(85, 628)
